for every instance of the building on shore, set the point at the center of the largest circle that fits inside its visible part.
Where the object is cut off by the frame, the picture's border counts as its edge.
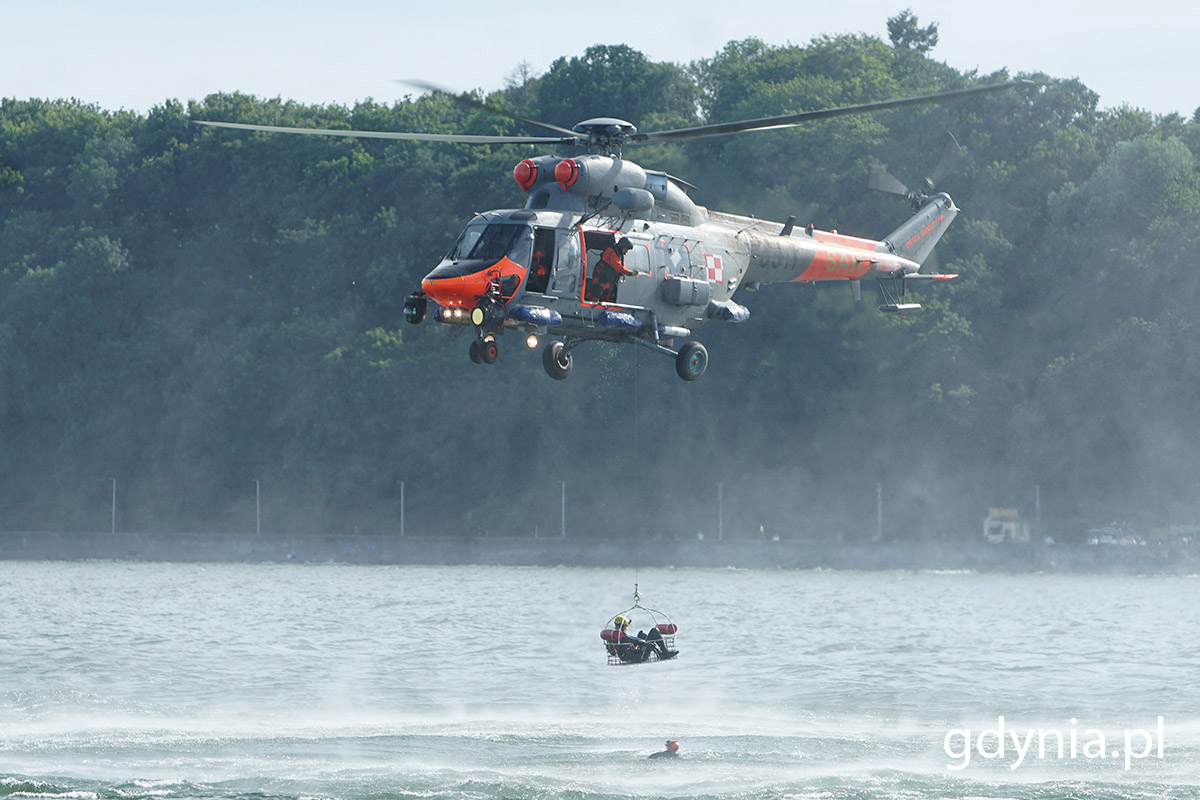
(1005, 525)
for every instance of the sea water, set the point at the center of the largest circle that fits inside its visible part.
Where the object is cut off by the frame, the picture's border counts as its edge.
(258, 681)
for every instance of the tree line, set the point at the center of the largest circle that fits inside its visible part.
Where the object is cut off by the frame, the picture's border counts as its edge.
(190, 310)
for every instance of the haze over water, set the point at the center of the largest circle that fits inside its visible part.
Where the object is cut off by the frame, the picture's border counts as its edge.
(300, 681)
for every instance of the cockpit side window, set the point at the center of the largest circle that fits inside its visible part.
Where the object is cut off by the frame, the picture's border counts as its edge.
(521, 246)
(466, 240)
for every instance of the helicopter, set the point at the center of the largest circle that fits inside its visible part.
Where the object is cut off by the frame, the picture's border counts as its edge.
(538, 271)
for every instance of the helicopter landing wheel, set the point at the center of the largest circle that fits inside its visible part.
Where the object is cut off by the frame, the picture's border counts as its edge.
(489, 351)
(556, 358)
(691, 361)
(476, 356)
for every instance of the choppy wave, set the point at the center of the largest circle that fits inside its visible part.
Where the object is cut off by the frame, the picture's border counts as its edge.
(296, 682)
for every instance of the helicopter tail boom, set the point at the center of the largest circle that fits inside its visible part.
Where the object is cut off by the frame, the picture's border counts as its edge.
(915, 239)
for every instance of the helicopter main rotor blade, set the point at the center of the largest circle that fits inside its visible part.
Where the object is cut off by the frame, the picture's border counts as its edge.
(951, 153)
(461, 138)
(471, 102)
(791, 120)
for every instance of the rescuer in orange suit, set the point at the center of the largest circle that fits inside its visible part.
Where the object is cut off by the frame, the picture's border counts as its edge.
(672, 750)
(611, 267)
(541, 272)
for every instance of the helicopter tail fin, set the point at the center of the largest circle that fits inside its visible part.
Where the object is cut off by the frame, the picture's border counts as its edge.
(915, 239)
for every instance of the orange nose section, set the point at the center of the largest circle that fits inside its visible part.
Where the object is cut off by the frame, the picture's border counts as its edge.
(451, 292)
(467, 290)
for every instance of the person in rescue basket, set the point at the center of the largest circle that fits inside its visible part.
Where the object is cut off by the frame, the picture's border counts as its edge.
(636, 649)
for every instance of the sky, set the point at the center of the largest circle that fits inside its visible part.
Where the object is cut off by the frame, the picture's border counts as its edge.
(135, 54)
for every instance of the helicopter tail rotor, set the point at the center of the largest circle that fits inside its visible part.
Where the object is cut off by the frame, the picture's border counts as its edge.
(880, 180)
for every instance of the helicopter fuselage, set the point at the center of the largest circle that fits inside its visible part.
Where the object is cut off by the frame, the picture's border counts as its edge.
(535, 269)
(556, 265)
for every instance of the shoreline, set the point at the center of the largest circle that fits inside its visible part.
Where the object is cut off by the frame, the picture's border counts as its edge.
(528, 551)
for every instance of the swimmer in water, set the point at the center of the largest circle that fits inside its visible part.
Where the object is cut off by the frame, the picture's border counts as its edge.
(672, 750)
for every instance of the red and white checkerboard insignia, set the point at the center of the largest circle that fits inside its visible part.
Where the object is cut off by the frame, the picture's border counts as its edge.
(713, 264)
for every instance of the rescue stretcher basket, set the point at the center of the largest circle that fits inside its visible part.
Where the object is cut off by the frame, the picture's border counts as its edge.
(641, 620)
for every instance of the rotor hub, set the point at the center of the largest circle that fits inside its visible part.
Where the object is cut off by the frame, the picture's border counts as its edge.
(606, 132)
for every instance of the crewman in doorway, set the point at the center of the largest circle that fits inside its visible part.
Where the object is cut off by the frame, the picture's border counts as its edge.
(610, 268)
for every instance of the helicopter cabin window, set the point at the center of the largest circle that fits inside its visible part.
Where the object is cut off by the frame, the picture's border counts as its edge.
(676, 256)
(638, 259)
(542, 263)
(681, 258)
(565, 282)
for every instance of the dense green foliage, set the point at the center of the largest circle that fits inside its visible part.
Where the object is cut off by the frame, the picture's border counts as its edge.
(189, 310)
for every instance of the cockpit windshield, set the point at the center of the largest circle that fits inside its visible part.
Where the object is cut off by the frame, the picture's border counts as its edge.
(491, 242)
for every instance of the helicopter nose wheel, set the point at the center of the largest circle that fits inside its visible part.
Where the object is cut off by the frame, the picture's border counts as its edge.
(556, 358)
(691, 361)
(485, 350)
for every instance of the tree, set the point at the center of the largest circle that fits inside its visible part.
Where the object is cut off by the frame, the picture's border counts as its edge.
(904, 32)
(616, 81)
(188, 310)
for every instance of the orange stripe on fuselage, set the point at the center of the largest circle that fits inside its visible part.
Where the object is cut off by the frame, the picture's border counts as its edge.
(839, 263)
(841, 257)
